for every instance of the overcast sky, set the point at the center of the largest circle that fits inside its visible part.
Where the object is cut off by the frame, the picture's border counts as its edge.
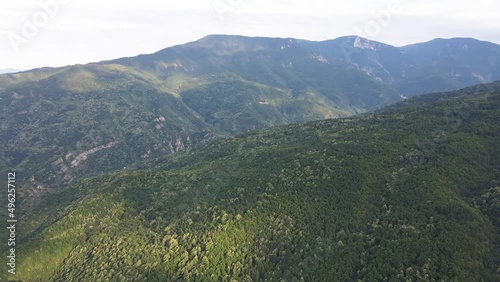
(37, 33)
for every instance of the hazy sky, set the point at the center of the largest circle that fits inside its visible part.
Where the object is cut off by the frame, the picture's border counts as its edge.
(37, 33)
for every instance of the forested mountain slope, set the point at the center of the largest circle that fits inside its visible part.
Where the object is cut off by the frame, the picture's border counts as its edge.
(411, 192)
(64, 124)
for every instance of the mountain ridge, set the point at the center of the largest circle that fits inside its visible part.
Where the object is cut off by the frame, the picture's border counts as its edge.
(181, 96)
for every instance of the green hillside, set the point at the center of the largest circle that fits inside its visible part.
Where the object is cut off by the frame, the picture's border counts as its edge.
(410, 193)
(64, 124)
(68, 123)
(84, 120)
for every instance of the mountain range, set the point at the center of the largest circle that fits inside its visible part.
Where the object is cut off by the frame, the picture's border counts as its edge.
(259, 159)
(62, 124)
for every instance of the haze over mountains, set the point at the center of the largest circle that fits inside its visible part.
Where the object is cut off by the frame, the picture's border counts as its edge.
(65, 123)
(3, 71)
(437, 65)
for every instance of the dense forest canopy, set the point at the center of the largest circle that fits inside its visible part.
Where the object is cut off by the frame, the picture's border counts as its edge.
(408, 193)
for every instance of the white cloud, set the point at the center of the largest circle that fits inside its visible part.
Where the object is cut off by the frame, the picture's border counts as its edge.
(90, 30)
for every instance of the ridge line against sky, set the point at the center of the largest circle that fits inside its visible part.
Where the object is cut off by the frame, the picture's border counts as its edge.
(38, 33)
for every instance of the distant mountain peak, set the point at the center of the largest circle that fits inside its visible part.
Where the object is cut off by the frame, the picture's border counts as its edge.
(453, 42)
(455, 39)
(364, 43)
(229, 44)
